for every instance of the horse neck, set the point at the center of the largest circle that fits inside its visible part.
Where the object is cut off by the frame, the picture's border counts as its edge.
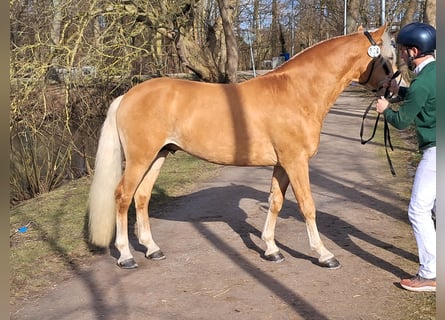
(325, 70)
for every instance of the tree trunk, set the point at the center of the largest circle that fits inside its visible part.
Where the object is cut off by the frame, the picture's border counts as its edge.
(51, 73)
(274, 29)
(430, 12)
(352, 18)
(410, 12)
(227, 8)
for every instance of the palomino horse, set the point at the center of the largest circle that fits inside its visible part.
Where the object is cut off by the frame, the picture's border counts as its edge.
(273, 120)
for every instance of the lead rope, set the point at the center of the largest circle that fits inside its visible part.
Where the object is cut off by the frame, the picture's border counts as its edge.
(386, 132)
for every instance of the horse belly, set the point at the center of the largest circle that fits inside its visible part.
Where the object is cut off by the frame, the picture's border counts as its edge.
(229, 149)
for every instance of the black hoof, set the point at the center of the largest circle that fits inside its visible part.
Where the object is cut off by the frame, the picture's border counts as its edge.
(157, 255)
(331, 264)
(274, 257)
(128, 264)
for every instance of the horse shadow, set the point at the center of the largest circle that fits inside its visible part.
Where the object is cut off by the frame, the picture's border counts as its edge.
(222, 204)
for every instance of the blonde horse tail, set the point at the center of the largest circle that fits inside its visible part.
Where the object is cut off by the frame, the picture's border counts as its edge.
(107, 174)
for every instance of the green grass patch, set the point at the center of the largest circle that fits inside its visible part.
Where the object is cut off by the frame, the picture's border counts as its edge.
(55, 242)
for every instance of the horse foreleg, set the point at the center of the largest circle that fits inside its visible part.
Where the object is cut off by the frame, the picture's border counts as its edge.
(142, 199)
(299, 178)
(280, 182)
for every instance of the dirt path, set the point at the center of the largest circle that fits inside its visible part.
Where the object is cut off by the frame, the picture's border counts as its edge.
(214, 268)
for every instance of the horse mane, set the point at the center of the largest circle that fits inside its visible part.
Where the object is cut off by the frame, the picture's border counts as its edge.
(387, 50)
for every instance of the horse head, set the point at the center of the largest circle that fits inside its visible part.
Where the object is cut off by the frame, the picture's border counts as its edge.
(380, 54)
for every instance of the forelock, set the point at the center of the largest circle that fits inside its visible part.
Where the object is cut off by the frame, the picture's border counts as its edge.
(387, 49)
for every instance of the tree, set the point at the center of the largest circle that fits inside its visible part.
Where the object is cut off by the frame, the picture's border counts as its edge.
(353, 20)
(227, 9)
(430, 12)
(206, 42)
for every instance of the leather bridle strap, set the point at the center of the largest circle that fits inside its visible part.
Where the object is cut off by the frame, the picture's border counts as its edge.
(370, 38)
(386, 132)
(386, 135)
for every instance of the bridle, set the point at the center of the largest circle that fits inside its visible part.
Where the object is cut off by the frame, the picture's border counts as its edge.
(374, 51)
(382, 61)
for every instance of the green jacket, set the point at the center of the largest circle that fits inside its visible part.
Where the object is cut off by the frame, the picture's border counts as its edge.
(418, 107)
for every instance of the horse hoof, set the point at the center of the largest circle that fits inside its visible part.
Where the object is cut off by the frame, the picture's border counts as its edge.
(157, 255)
(331, 263)
(274, 257)
(128, 264)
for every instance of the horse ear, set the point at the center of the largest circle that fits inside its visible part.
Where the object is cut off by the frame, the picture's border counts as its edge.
(360, 28)
(377, 34)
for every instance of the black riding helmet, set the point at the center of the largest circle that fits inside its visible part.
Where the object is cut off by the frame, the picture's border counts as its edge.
(419, 35)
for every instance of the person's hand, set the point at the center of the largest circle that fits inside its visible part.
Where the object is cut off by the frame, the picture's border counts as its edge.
(381, 105)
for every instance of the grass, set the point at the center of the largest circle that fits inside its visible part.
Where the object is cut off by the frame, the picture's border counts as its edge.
(55, 242)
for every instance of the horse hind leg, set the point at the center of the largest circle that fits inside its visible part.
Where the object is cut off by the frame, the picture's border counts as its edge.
(124, 194)
(299, 178)
(279, 184)
(142, 199)
(133, 177)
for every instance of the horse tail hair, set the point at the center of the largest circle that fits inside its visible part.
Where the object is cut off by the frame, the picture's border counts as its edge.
(107, 174)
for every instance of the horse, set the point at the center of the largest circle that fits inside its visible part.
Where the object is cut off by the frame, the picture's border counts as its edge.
(271, 120)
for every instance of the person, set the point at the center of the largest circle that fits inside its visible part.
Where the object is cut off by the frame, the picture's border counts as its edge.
(417, 43)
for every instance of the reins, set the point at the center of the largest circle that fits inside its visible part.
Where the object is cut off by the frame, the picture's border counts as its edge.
(386, 132)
